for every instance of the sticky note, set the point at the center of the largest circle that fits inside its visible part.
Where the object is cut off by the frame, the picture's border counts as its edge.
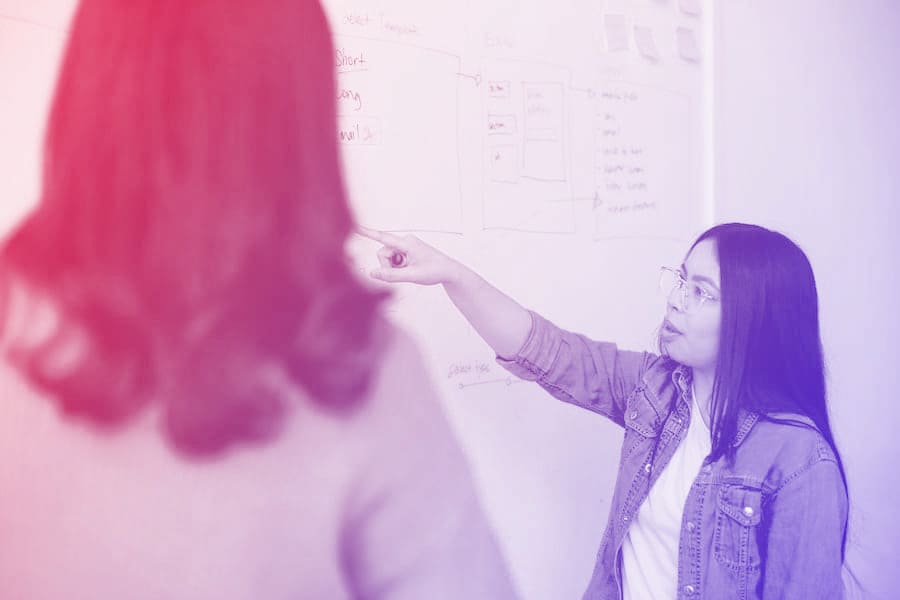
(616, 33)
(687, 44)
(643, 39)
(690, 7)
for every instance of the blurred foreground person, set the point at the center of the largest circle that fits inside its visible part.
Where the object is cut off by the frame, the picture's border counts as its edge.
(200, 400)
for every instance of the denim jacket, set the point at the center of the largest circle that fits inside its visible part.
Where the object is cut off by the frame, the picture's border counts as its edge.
(768, 525)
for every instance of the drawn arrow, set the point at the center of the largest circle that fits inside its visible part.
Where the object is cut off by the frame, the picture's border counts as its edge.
(507, 380)
(476, 77)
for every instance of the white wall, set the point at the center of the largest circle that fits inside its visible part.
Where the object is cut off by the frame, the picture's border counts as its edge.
(807, 139)
(32, 33)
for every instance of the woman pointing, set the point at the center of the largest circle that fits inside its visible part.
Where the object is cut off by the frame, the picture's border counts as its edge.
(730, 484)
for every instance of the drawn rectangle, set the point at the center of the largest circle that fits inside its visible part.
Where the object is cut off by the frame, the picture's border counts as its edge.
(502, 124)
(504, 161)
(526, 186)
(543, 160)
(401, 149)
(543, 111)
(616, 33)
(641, 172)
(498, 89)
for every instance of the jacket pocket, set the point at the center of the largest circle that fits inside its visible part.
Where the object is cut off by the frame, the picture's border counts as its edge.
(738, 514)
(641, 423)
(640, 416)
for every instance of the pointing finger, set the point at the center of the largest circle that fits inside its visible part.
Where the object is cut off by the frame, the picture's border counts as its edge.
(388, 239)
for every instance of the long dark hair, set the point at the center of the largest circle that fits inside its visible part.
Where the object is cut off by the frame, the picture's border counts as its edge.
(770, 356)
(193, 218)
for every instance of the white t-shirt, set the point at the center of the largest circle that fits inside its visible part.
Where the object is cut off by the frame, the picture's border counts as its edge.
(650, 549)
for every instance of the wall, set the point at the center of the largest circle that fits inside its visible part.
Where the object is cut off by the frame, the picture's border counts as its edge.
(807, 139)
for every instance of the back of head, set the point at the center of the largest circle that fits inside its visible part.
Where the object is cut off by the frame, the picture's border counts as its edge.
(193, 218)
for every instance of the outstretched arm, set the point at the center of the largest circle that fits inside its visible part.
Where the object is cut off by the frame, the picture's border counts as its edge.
(501, 321)
(594, 375)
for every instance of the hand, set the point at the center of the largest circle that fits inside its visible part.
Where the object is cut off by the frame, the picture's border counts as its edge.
(408, 259)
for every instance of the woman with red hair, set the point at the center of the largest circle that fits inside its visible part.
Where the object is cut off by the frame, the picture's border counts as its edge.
(183, 279)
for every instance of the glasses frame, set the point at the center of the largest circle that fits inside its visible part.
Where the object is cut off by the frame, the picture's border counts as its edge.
(682, 285)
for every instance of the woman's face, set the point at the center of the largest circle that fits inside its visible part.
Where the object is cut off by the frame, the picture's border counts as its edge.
(690, 332)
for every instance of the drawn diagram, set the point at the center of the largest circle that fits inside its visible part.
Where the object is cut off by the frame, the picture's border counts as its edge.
(398, 130)
(526, 184)
(644, 142)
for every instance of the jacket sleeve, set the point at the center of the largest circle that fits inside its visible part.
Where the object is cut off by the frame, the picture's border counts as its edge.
(807, 519)
(575, 369)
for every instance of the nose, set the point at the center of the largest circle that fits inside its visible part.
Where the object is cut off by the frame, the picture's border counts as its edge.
(675, 299)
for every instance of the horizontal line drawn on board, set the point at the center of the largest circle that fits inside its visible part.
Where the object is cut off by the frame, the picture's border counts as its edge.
(507, 380)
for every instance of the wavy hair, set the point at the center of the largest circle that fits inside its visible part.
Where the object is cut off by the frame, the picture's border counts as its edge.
(192, 220)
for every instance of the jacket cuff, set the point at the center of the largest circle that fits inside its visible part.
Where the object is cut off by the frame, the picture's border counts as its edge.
(537, 355)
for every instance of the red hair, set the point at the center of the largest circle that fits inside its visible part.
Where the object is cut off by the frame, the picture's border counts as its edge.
(193, 217)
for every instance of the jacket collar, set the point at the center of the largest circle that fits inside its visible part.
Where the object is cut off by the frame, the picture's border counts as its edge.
(682, 376)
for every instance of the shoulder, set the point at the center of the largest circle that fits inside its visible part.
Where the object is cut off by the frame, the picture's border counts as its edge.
(396, 346)
(791, 445)
(402, 405)
(794, 435)
(401, 366)
(400, 441)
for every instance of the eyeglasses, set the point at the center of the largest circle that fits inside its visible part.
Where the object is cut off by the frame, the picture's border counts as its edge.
(690, 295)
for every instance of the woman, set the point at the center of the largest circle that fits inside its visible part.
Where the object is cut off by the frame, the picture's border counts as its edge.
(256, 429)
(730, 484)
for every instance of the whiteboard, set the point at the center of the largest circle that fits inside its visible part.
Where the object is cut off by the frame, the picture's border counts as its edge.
(556, 148)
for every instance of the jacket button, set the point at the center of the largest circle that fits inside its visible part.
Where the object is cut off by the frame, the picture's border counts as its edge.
(748, 511)
(688, 589)
(690, 525)
(634, 415)
(647, 468)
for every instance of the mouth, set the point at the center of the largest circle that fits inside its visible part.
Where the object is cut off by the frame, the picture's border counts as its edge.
(670, 330)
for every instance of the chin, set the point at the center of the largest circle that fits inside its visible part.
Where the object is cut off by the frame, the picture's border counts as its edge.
(676, 357)
(670, 350)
